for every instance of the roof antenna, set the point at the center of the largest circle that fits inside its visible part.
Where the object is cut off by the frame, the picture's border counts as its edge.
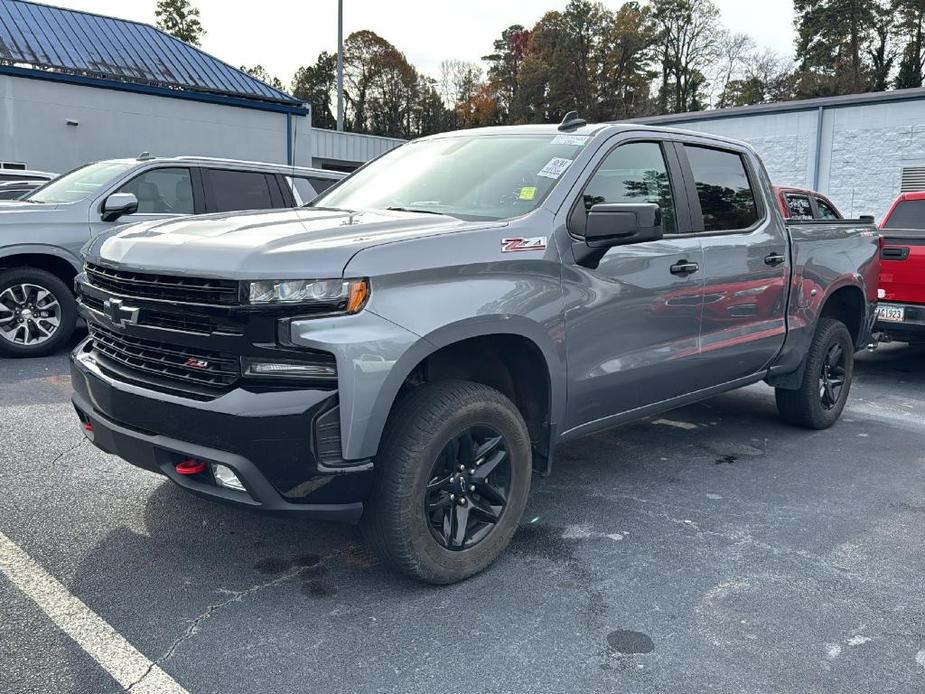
(572, 121)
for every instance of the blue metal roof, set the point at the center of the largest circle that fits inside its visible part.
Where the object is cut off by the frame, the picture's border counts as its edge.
(106, 48)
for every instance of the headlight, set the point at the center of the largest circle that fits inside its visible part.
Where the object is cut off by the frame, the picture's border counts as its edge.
(337, 296)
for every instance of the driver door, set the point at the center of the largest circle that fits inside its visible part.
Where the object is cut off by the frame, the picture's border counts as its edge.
(633, 326)
(162, 193)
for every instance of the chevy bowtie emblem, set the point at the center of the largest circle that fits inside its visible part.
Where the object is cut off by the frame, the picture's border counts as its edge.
(120, 314)
(194, 363)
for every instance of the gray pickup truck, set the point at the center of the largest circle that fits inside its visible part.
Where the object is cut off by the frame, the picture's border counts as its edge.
(409, 349)
(41, 235)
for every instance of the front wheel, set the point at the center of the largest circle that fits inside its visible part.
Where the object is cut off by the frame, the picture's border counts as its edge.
(452, 479)
(820, 399)
(38, 313)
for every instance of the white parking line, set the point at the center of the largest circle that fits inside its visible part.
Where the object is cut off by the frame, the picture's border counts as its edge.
(104, 644)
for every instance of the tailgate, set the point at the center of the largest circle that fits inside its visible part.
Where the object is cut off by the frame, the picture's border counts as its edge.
(902, 266)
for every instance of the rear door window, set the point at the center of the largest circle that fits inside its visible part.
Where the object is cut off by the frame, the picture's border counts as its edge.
(799, 207)
(162, 191)
(826, 211)
(230, 191)
(908, 214)
(727, 200)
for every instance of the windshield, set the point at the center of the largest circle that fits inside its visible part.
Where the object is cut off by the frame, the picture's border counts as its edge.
(79, 183)
(468, 176)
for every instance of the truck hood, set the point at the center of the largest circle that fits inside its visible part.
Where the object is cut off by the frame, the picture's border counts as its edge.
(303, 243)
(18, 211)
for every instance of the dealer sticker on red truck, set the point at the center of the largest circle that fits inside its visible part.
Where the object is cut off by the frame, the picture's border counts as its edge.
(534, 243)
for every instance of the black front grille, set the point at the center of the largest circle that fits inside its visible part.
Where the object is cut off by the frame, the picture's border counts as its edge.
(174, 363)
(168, 320)
(191, 290)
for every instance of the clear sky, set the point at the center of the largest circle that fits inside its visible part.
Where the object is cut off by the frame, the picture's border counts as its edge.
(281, 35)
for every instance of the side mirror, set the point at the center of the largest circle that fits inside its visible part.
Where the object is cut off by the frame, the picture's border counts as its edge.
(119, 204)
(618, 224)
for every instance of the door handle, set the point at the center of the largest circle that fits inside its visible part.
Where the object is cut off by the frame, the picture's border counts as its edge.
(774, 259)
(684, 268)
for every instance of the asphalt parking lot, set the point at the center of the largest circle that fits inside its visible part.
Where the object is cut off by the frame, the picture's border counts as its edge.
(712, 549)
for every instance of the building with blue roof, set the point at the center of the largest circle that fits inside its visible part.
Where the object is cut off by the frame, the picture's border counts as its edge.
(78, 87)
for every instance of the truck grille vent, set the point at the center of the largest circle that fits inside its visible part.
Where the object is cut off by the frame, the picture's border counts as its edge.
(179, 364)
(181, 322)
(190, 290)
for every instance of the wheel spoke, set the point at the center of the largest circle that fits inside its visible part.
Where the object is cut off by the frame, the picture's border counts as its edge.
(460, 524)
(440, 503)
(490, 446)
(438, 483)
(835, 355)
(487, 512)
(491, 494)
(486, 468)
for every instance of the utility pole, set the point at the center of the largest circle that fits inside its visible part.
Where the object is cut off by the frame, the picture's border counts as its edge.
(340, 65)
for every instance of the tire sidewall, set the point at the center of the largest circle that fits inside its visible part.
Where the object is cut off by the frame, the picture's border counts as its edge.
(435, 563)
(65, 299)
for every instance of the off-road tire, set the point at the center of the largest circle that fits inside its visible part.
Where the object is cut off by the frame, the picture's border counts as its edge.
(417, 431)
(804, 407)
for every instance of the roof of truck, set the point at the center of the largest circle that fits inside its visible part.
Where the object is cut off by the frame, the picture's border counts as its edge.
(589, 130)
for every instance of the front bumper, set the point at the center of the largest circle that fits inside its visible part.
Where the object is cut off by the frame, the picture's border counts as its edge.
(265, 437)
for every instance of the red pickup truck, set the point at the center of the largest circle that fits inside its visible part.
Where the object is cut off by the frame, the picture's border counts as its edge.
(901, 314)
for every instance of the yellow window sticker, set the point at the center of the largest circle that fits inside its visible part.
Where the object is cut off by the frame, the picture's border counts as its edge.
(528, 192)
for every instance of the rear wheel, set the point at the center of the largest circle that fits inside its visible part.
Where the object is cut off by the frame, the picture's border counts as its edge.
(38, 313)
(453, 475)
(820, 399)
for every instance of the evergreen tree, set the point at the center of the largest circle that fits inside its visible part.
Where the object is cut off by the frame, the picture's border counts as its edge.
(180, 19)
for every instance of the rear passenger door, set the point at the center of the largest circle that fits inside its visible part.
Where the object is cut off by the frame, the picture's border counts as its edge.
(745, 264)
(229, 190)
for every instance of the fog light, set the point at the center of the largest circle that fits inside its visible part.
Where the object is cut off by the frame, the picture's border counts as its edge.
(225, 477)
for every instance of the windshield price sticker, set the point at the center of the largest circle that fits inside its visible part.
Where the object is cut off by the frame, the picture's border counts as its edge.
(555, 168)
(574, 140)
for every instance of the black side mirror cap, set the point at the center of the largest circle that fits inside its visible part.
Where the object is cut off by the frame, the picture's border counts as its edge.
(618, 224)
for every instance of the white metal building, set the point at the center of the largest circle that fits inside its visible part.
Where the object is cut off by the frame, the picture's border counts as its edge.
(78, 87)
(860, 150)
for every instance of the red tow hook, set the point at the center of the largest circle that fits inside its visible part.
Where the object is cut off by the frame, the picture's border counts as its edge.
(190, 467)
(88, 427)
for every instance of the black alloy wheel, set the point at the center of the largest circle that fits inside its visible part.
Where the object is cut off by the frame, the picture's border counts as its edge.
(832, 377)
(469, 486)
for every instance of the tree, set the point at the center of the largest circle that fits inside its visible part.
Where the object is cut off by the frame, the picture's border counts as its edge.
(909, 27)
(688, 45)
(316, 84)
(627, 66)
(505, 63)
(179, 19)
(833, 39)
(260, 73)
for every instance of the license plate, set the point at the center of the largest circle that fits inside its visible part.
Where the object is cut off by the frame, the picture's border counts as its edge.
(896, 314)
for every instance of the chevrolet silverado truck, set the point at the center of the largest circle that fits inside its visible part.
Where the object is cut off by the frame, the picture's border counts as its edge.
(410, 348)
(901, 314)
(41, 234)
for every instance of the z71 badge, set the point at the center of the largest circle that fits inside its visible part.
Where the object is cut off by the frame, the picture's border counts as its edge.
(535, 243)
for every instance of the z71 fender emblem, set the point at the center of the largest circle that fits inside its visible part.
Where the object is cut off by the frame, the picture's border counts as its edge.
(535, 243)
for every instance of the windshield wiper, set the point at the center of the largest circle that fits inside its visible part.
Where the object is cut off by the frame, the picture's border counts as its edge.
(414, 209)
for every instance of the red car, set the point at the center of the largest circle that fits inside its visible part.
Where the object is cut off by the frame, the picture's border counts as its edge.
(799, 203)
(901, 314)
